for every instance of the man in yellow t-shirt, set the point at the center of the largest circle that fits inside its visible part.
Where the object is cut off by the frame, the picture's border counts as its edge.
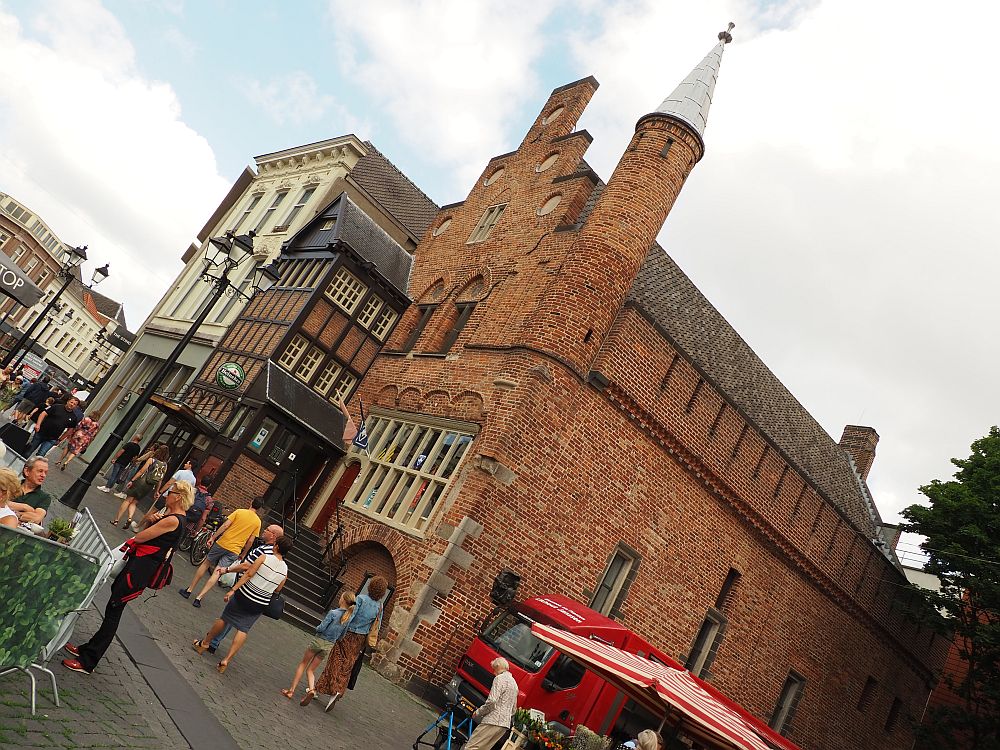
(226, 546)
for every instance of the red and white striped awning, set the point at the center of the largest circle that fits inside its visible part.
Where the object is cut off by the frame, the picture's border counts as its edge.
(660, 687)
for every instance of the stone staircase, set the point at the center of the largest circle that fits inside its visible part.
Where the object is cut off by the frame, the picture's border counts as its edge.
(307, 590)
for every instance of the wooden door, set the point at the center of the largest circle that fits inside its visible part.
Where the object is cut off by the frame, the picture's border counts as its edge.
(336, 497)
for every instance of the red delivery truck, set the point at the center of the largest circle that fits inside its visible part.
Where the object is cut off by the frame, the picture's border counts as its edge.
(565, 691)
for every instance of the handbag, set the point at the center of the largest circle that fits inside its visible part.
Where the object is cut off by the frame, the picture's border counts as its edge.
(373, 631)
(275, 607)
(163, 574)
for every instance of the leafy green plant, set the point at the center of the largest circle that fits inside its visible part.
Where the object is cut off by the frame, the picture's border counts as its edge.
(60, 528)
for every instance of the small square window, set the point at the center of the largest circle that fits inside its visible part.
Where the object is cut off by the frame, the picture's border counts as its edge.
(346, 290)
(368, 312)
(326, 377)
(383, 324)
(486, 224)
(309, 364)
(344, 387)
(292, 352)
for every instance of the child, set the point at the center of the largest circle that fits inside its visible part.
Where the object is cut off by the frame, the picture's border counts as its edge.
(328, 632)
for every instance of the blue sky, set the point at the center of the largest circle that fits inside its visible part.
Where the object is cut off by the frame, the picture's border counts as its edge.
(843, 218)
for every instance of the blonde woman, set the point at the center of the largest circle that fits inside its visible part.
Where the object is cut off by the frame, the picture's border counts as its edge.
(151, 547)
(648, 740)
(10, 488)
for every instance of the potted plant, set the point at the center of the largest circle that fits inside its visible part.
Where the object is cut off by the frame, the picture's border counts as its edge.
(61, 530)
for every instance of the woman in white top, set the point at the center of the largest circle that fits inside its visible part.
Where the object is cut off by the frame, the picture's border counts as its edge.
(248, 599)
(10, 488)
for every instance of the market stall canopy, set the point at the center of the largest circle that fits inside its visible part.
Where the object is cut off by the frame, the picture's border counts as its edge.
(16, 284)
(663, 689)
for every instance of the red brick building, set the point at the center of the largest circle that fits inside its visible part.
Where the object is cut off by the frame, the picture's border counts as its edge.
(562, 401)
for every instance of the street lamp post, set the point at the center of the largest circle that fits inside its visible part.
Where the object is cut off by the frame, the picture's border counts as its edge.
(73, 258)
(50, 319)
(223, 256)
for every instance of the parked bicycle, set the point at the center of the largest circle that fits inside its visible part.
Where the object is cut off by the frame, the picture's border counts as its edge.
(196, 516)
(199, 543)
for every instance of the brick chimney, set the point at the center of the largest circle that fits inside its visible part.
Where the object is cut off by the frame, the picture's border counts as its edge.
(860, 443)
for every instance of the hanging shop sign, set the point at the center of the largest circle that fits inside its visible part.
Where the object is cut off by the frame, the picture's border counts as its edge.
(230, 376)
(15, 283)
(120, 338)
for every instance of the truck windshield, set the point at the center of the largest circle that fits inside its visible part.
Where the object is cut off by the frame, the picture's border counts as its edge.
(510, 635)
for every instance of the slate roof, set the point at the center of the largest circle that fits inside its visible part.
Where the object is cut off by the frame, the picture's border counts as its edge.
(665, 292)
(355, 228)
(672, 300)
(385, 183)
(105, 306)
(372, 242)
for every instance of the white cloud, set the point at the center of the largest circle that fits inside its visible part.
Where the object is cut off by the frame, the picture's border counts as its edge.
(450, 74)
(290, 98)
(843, 218)
(100, 152)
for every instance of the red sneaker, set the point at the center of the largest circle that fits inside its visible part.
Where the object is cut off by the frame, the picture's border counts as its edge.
(74, 665)
(71, 649)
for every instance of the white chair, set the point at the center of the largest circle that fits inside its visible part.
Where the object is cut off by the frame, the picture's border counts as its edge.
(65, 627)
(88, 540)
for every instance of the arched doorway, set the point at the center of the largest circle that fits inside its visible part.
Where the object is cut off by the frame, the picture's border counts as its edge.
(365, 560)
(336, 497)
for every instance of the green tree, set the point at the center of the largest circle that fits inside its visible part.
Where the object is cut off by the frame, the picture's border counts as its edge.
(961, 527)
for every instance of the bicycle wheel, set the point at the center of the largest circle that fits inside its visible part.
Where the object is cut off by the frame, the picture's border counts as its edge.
(199, 548)
(187, 539)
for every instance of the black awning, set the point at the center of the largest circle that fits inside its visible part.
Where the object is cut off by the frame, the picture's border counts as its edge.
(185, 413)
(305, 407)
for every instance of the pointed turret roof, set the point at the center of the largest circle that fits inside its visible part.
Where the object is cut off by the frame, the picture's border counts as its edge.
(691, 100)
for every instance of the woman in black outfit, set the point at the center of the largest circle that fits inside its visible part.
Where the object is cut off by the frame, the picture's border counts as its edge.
(151, 547)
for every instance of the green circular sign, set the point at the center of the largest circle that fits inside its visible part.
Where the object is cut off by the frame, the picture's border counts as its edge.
(230, 376)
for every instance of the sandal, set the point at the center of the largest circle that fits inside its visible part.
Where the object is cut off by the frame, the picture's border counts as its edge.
(307, 698)
(197, 645)
(115, 522)
(221, 666)
(287, 693)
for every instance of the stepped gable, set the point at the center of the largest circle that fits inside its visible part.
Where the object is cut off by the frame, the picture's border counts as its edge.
(381, 179)
(665, 292)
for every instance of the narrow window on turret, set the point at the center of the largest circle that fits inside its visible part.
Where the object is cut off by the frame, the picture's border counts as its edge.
(486, 224)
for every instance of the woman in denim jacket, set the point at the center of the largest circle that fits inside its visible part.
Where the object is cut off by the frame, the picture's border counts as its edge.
(328, 632)
(366, 615)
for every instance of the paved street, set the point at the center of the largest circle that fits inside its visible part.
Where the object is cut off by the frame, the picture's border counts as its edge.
(117, 707)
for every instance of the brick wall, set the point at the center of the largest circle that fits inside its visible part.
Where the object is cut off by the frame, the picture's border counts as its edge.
(561, 471)
(244, 481)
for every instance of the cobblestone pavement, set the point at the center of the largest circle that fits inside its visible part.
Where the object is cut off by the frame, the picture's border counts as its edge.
(114, 707)
(246, 699)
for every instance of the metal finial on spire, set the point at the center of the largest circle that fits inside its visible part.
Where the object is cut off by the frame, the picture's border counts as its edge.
(690, 101)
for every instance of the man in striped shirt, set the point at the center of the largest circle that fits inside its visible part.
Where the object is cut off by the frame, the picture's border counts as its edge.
(264, 545)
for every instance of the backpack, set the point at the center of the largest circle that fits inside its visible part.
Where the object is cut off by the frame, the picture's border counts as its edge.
(201, 500)
(155, 473)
